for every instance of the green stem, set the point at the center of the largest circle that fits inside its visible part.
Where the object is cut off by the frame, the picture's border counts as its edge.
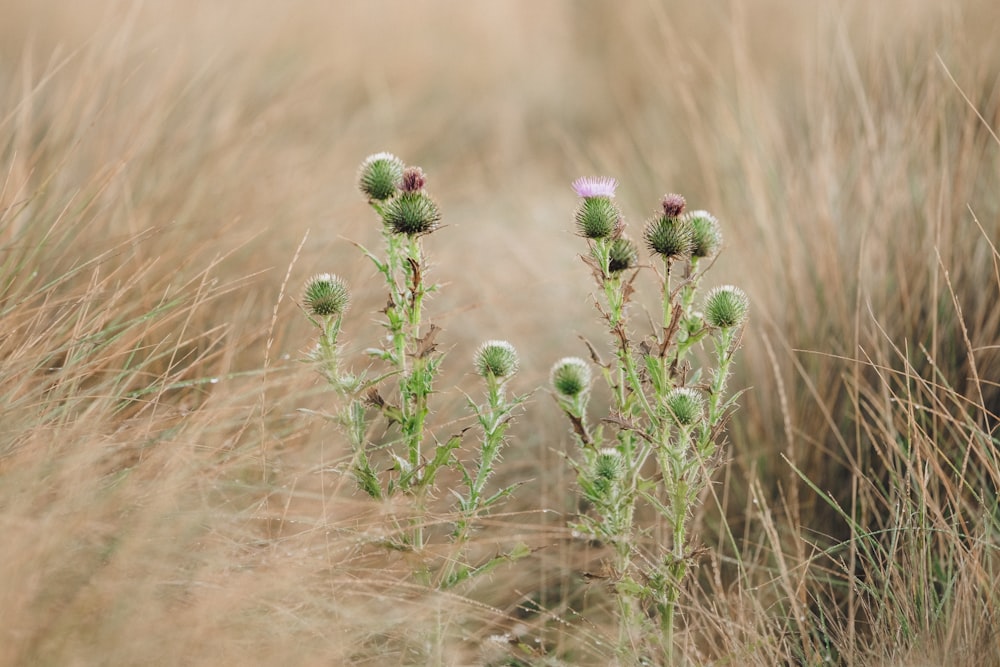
(491, 418)
(627, 362)
(718, 386)
(415, 285)
(685, 342)
(667, 303)
(418, 382)
(614, 296)
(627, 628)
(668, 312)
(418, 522)
(330, 330)
(677, 569)
(492, 439)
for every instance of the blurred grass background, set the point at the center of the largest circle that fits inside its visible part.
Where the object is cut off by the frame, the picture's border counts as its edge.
(160, 163)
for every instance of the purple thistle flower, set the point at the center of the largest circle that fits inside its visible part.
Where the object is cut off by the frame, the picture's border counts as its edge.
(673, 205)
(413, 179)
(595, 186)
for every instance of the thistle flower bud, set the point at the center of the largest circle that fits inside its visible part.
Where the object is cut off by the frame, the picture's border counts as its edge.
(326, 295)
(693, 323)
(598, 218)
(669, 236)
(726, 307)
(413, 179)
(673, 205)
(411, 213)
(605, 472)
(609, 464)
(706, 233)
(570, 377)
(496, 358)
(686, 406)
(379, 176)
(622, 255)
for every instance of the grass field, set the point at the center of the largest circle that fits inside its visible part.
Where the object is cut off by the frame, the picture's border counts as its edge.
(171, 173)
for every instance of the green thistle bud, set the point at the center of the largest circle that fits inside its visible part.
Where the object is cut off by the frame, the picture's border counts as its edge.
(411, 213)
(609, 465)
(706, 233)
(622, 255)
(607, 469)
(686, 406)
(726, 307)
(598, 218)
(496, 358)
(326, 295)
(379, 176)
(570, 377)
(692, 323)
(669, 237)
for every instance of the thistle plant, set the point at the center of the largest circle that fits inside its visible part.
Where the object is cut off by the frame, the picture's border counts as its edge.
(668, 404)
(325, 299)
(399, 392)
(496, 362)
(408, 213)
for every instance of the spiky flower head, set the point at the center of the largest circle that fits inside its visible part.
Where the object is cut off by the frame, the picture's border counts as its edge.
(673, 205)
(609, 464)
(595, 186)
(726, 307)
(413, 179)
(496, 358)
(606, 469)
(411, 213)
(622, 255)
(598, 218)
(706, 233)
(686, 406)
(326, 295)
(570, 376)
(380, 175)
(669, 236)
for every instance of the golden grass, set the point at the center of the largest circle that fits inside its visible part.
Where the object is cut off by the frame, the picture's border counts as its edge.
(163, 501)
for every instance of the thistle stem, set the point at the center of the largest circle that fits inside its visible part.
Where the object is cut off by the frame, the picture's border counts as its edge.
(418, 382)
(667, 320)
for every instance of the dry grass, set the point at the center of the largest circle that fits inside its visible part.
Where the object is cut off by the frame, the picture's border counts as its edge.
(163, 502)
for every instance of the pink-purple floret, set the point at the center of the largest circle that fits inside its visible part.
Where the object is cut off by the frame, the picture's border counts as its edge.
(595, 186)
